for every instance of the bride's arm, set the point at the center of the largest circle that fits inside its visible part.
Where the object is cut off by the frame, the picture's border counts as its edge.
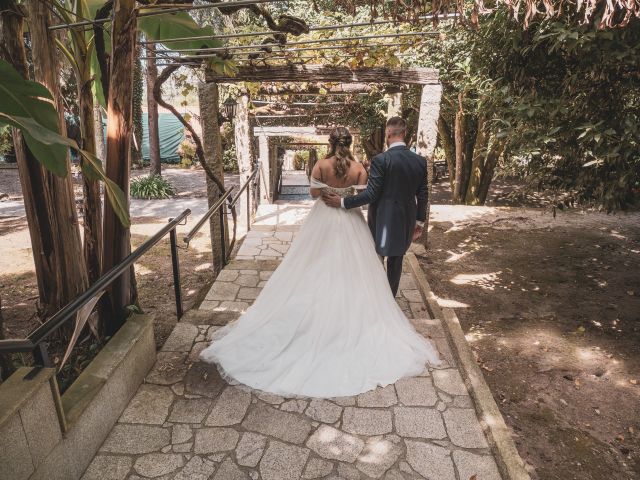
(317, 174)
(363, 177)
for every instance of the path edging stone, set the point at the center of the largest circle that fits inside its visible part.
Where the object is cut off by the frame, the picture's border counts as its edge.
(508, 459)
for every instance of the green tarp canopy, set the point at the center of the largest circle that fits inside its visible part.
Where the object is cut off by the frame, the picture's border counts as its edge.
(171, 135)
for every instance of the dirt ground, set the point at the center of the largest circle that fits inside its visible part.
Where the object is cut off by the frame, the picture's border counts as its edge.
(18, 288)
(551, 309)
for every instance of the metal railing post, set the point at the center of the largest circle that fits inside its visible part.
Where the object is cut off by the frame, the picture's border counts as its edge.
(175, 262)
(41, 355)
(249, 207)
(223, 238)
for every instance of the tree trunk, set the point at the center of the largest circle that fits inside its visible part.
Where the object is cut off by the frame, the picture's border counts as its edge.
(477, 165)
(136, 144)
(49, 200)
(374, 143)
(447, 142)
(212, 145)
(242, 136)
(92, 202)
(117, 238)
(152, 113)
(459, 135)
(493, 156)
(101, 151)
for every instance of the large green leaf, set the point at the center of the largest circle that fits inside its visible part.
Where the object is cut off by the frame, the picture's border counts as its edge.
(88, 9)
(36, 134)
(177, 25)
(26, 99)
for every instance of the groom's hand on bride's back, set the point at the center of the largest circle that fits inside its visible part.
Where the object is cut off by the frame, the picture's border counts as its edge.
(331, 199)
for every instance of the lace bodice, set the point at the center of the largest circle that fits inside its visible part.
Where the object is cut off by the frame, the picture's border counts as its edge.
(340, 191)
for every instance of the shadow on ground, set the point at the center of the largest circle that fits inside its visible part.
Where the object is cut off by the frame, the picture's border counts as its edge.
(553, 316)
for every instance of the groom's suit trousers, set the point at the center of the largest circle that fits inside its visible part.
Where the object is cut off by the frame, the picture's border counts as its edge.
(394, 272)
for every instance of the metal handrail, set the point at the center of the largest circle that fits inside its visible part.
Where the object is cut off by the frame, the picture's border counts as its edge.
(35, 340)
(214, 208)
(218, 206)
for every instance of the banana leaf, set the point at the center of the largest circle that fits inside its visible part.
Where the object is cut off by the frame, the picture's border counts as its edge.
(26, 99)
(177, 25)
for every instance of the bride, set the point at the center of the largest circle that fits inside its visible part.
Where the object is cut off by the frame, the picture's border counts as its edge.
(326, 323)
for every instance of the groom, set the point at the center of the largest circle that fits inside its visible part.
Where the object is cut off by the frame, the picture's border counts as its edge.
(397, 198)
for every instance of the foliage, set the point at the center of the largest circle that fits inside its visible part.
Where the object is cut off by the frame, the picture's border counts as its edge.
(230, 160)
(603, 13)
(28, 106)
(151, 187)
(540, 92)
(300, 160)
(187, 152)
(6, 141)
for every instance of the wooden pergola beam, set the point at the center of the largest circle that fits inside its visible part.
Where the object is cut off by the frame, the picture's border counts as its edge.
(316, 89)
(322, 73)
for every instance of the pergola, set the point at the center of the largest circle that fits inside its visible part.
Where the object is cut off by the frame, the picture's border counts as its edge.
(344, 80)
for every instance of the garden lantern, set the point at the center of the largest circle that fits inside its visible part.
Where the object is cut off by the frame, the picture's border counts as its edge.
(230, 107)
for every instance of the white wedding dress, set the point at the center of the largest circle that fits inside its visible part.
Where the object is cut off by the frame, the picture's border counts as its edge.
(326, 323)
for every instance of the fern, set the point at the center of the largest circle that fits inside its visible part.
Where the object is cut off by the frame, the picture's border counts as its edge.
(151, 187)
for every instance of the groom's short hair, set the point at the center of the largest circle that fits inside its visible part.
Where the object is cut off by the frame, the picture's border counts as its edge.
(396, 126)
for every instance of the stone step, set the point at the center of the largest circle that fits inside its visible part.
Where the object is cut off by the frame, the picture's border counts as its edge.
(208, 317)
(294, 190)
(293, 197)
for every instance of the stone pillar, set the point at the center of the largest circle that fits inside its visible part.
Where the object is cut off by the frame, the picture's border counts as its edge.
(426, 135)
(313, 158)
(243, 153)
(212, 145)
(394, 105)
(265, 169)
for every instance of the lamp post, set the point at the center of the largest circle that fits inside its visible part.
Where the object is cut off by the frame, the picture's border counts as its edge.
(230, 108)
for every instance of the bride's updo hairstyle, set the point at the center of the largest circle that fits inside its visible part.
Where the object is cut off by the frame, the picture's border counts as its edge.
(340, 140)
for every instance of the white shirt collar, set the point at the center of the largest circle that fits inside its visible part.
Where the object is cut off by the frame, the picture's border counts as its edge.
(397, 144)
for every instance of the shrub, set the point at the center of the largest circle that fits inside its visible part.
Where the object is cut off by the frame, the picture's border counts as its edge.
(6, 141)
(151, 187)
(187, 152)
(230, 160)
(300, 160)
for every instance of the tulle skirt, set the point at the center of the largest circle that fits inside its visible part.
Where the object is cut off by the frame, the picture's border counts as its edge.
(326, 323)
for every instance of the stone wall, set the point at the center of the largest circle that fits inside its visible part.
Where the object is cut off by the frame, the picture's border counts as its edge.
(45, 436)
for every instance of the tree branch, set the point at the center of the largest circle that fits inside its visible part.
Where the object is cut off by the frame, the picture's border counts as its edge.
(157, 94)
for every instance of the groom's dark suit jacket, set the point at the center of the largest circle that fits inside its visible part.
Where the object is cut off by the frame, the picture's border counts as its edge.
(397, 197)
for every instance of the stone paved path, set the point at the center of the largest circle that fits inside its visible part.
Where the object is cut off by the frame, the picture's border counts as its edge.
(186, 423)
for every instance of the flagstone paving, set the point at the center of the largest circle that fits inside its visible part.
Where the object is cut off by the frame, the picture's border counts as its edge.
(185, 422)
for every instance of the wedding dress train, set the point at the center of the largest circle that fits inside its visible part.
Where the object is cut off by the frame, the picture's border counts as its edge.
(326, 323)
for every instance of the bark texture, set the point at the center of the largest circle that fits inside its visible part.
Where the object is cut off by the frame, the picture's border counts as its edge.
(117, 238)
(49, 200)
(426, 136)
(212, 146)
(152, 113)
(242, 136)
